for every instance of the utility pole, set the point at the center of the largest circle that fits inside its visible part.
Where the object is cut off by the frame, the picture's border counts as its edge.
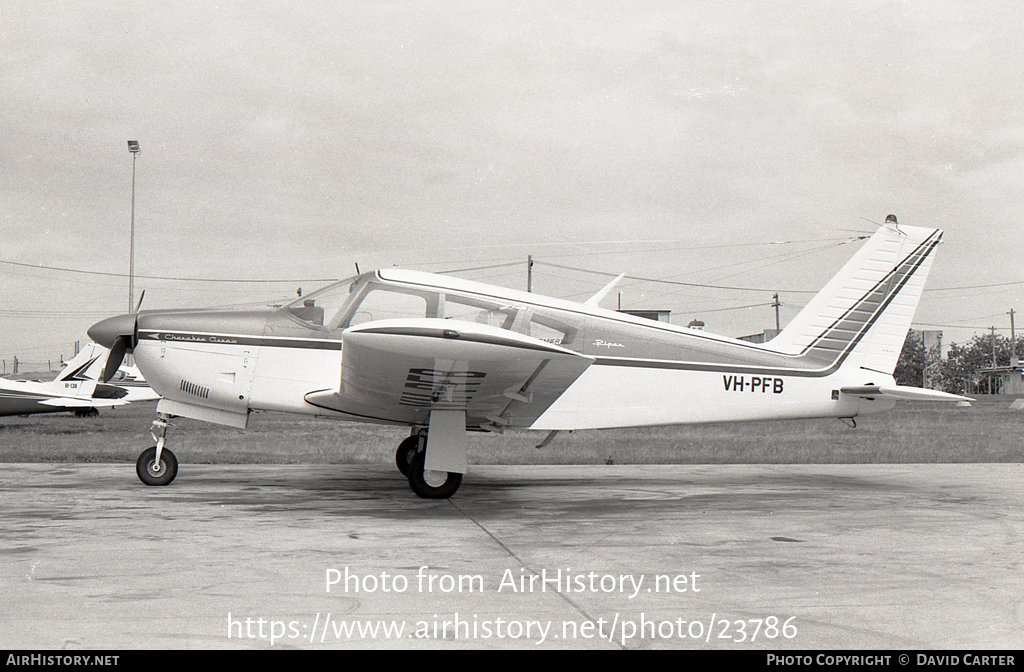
(133, 147)
(529, 273)
(776, 304)
(1013, 342)
(993, 347)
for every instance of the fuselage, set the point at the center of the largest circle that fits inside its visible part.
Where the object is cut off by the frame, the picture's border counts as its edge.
(643, 372)
(29, 397)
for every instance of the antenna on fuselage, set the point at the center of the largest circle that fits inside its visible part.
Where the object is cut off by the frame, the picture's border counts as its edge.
(596, 298)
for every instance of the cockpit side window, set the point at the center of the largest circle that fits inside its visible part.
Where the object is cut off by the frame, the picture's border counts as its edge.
(534, 321)
(384, 302)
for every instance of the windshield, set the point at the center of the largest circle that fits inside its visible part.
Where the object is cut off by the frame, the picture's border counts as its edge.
(321, 306)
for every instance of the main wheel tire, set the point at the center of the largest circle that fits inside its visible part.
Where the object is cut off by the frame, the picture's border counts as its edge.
(152, 473)
(406, 451)
(427, 491)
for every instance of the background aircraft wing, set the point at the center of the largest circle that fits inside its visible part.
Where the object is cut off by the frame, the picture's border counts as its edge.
(81, 402)
(400, 370)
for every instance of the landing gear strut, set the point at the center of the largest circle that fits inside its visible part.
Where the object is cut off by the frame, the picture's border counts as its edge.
(157, 465)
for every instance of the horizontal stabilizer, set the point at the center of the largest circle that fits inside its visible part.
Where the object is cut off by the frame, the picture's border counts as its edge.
(901, 392)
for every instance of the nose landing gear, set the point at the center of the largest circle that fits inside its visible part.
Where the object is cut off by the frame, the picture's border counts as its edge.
(157, 465)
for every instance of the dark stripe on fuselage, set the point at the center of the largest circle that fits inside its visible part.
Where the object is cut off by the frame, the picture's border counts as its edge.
(28, 396)
(455, 335)
(186, 338)
(713, 368)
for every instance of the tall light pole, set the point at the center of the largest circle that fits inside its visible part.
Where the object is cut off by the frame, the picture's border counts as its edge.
(133, 147)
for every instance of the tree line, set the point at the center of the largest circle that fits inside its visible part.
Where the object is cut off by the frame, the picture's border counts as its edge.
(956, 372)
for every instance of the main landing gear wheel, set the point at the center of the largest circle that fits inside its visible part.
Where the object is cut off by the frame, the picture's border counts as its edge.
(406, 451)
(432, 484)
(153, 473)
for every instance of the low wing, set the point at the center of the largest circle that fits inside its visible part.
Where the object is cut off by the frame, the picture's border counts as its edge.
(901, 392)
(400, 370)
(81, 402)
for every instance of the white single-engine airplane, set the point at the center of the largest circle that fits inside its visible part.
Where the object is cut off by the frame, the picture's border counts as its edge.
(76, 388)
(445, 356)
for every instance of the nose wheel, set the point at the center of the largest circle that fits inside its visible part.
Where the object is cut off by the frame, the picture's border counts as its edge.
(157, 465)
(152, 471)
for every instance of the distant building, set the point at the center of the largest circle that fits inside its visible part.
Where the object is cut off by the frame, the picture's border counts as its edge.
(656, 315)
(1004, 379)
(932, 341)
(763, 337)
(932, 374)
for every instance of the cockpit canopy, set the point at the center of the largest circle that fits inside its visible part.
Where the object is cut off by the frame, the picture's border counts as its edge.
(368, 297)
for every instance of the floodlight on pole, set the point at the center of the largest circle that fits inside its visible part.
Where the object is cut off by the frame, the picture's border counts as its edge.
(133, 147)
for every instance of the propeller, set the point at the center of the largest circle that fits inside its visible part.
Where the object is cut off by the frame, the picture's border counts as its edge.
(111, 333)
(114, 359)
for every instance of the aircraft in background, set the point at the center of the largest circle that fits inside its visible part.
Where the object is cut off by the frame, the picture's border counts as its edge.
(76, 388)
(445, 356)
(130, 379)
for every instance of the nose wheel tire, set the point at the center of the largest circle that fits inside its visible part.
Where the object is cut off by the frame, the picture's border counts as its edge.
(432, 484)
(406, 451)
(152, 473)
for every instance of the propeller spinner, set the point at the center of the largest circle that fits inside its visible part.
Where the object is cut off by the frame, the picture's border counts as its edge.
(117, 334)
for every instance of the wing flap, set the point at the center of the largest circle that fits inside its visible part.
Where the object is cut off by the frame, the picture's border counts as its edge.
(400, 370)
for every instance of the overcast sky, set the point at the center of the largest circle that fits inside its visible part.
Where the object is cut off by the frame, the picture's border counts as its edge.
(744, 144)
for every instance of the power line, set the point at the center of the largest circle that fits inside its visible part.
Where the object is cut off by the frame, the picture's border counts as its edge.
(675, 282)
(718, 310)
(960, 326)
(161, 277)
(988, 286)
(481, 268)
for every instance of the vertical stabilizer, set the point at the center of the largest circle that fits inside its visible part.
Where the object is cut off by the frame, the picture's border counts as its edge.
(80, 374)
(862, 315)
